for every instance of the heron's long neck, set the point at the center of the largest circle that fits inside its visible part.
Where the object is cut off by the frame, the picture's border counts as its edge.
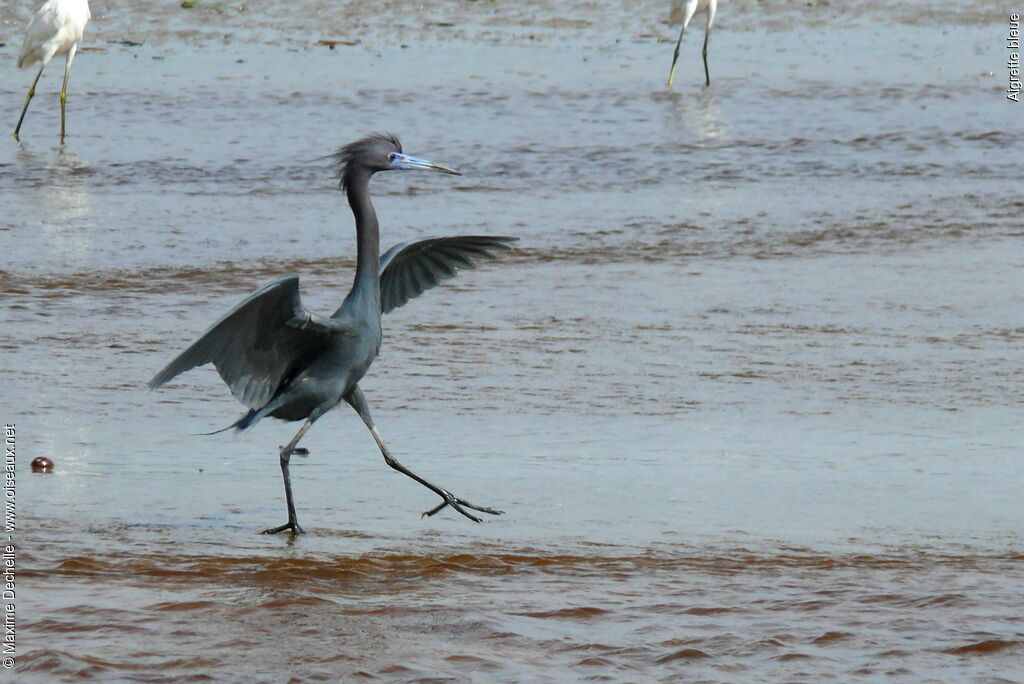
(365, 294)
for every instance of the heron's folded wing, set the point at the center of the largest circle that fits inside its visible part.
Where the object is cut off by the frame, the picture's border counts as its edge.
(44, 25)
(258, 344)
(410, 268)
(675, 12)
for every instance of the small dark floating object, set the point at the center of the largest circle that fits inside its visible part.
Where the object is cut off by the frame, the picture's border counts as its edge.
(41, 464)
(214, 6)
(335, 43)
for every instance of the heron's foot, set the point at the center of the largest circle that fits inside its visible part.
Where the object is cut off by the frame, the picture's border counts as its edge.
(17, 137)
(296, 451)
(291, 525)
(458, 504)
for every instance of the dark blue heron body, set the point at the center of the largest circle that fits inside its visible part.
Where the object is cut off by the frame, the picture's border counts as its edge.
(283, 361)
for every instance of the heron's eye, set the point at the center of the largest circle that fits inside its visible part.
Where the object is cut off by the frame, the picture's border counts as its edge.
(393, 156)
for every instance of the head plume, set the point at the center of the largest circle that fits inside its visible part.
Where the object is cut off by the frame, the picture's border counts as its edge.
(348, 157)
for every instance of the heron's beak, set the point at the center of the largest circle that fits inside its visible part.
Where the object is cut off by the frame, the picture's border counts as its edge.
(404, 161)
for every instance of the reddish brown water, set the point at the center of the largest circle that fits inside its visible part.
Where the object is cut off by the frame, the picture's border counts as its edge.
(749, 387)
(496, 615)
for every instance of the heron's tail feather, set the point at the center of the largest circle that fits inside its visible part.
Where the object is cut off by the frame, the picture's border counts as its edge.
(246, 421)
(215, 432)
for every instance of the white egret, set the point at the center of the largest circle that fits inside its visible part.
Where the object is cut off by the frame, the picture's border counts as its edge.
(56, 29)
(684, 11)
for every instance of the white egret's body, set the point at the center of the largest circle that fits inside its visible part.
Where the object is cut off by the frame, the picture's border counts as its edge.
(683, 11)
(56, 29)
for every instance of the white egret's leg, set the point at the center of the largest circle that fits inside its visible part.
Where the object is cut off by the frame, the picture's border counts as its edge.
(357, 400)
(64, 87)
(286, 454)
(31, 92)
(704, 51)
(691, 7)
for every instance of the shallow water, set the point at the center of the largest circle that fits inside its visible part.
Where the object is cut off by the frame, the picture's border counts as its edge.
(748, 387)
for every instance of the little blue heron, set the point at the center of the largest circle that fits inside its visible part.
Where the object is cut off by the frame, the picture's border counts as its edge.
(283, 361)
(56, 29)
(684, 11)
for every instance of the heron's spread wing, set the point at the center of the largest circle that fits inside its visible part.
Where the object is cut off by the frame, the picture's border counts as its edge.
(410, 268)
(258, 344)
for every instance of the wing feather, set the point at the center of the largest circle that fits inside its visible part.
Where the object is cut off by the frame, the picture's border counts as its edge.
(437, 263)
(409, 269)
(259, 344)
(421, 279)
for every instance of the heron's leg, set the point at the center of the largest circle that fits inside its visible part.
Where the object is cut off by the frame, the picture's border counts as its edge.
(64, 88)
(31, 92)
(357, 400)
(286, 454)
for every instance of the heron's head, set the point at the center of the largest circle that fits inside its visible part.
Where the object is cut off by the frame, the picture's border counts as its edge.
(380, 152)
